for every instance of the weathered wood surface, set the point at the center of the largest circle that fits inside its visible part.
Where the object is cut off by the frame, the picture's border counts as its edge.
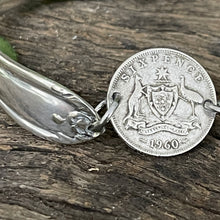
(80, 44)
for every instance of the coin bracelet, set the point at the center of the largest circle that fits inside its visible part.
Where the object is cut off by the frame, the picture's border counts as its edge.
(160, 101)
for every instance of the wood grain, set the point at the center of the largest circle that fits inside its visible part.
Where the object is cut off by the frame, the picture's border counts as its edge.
(80, 44)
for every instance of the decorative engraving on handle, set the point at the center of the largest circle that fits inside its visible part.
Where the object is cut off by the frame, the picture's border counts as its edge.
(44, 107)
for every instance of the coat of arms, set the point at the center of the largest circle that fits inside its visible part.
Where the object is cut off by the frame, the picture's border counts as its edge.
(162, 98)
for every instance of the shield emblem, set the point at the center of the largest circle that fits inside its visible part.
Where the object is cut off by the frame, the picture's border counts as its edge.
(162, 100)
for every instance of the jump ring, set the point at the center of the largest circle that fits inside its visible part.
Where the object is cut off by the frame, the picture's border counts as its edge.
(208, 104)
(98, 126)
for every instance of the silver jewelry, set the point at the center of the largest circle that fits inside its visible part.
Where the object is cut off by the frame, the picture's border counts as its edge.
(160, 101)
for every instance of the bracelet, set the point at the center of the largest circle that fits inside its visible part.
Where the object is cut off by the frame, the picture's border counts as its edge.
(160, 101)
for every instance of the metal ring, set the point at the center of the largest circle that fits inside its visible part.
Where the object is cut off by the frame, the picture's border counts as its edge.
(98, 126)
(101, 105)
(209, 105)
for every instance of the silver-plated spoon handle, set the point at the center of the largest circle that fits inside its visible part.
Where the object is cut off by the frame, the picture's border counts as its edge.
(43, 106)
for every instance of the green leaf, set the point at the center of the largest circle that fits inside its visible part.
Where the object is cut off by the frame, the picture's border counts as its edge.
(7, 49)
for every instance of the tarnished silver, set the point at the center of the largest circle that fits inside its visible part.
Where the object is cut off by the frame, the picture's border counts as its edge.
(44, 107)
(163, 93)
(160, 101)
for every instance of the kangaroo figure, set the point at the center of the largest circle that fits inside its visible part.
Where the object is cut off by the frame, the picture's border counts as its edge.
(134, 100)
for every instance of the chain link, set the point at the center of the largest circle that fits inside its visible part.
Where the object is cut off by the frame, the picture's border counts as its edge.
(209, 105)
(99, 126)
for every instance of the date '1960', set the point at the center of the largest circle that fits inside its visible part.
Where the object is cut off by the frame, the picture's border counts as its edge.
(168, 144)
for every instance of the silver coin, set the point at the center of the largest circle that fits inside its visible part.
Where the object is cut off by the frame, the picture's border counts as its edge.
(161, 111)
